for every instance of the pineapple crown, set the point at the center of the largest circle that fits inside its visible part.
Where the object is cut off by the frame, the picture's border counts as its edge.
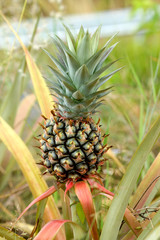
(80, 66)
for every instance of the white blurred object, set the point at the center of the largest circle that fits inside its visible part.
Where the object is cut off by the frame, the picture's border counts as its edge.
(113, 21)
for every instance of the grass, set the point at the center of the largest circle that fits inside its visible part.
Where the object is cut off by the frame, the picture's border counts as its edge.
(128, 115)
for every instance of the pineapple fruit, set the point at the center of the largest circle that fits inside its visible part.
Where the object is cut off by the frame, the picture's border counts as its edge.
(71, 144)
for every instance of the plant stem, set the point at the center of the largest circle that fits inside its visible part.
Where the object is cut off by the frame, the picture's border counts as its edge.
(66, 213)
(73, 199)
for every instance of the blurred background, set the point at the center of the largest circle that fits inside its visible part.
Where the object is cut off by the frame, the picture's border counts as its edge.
(128, 112)
(49, 7)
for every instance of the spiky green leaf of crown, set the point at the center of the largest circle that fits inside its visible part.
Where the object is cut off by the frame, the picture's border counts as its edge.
(80, 66)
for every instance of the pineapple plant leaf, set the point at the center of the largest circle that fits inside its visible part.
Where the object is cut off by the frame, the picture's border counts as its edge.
(84, 195)
(50, 230)
(128, 182)
(71, 144)
(95, 39)
(5, 233)
(41, 90)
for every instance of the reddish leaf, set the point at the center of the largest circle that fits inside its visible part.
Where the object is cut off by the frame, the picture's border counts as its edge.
(49, 231)
(84, 195)
(147, 185)
(95, 177)
(69, 185)
(128, 215)
(100, 187)
(41, 197)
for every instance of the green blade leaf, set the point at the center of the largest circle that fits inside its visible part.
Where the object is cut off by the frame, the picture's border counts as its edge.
(61, 55)
(138, 80)
(81, 76)
(28, 167)
(104, 56)
(84, 49)
(68, 88)
(95, 62)
(73, 64)
(41, 90)
(7, 234)
(59, 76)
(12, 98)
(90, 87)
(80, 35)
(107, 77)
(101, 70)
(77, 95)
(128, 216)
(127, 184)
(92, 62)
(101, 93)
(39, 217)
(61, 67)
(149, 230)
(154, 234)
(147, 185)
(63, 47)
(95, 40)
(70, 39)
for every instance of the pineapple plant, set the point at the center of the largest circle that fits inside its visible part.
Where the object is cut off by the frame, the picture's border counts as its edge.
(71, 143)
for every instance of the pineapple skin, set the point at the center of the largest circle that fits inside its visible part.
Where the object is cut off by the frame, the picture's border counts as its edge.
(71, 149)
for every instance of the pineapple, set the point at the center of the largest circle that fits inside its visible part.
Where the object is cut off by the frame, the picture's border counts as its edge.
(71, 144)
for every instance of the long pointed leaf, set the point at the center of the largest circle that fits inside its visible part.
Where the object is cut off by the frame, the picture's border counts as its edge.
(147, 185)
(80, 35)
(39, 217)
(23, 111)
(73, 64)
(44, 195)
(70, 39)
(42, 92)
(84, 49)
(95, 61)
(7, 234)
(95, 39)
(107, 77)
(127, 184)
(155, 222)
(49, 231)
(101, 70)
(81, 76)
(58, 75)
(105, 55)
(28, 166)
(56, 62)
(101, 93)
(90, 87)
(130, 219)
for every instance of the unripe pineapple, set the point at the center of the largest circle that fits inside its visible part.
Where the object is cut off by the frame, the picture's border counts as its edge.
(71, 144)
